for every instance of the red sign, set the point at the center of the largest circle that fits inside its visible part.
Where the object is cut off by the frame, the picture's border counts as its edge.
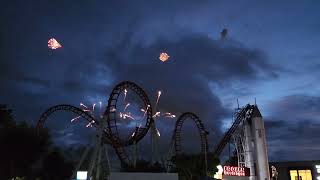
(235, 171)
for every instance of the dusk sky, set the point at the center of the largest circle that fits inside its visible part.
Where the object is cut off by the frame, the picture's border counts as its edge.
(271, 53)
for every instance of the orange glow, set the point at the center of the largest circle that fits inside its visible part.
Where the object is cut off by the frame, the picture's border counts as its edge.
(54, 44)
(164, 57)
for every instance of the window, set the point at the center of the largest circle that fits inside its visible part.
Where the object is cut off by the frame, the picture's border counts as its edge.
(300, 174)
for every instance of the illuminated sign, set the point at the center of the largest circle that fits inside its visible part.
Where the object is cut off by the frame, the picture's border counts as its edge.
(236, 171)
(318, 169)
(82, 175)
(218, 174)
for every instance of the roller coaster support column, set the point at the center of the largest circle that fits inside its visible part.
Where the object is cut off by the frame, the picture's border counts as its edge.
(248, 150)
(154, 143)
(258, 133)
(205, 158)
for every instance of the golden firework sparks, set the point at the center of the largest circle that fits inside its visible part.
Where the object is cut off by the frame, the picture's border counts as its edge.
(164, 57)
(54, 44)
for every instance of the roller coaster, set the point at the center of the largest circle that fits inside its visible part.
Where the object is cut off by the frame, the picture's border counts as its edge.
(107, 127)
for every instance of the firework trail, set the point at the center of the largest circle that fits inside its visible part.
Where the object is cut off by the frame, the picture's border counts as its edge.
(144, 114)
(128, 104)
(81, 104)
(90, 124)
(75, 118)
(157, 114)
(169, 115)
(159, 94)
(125, 95)
(93, 106)
(158, 132)
(126, 115)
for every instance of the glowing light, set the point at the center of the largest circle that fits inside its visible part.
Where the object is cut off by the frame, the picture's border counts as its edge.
(234, 171)
(142, 110)
(159, 94)
(113, 109)
(126, 115)
(82, 175)
(144, 114)
(125, 95)
(81, 104)
(164, 57)
(158, 133)
(133, 134)
(90, 124)
(169, 115)
(218, 174)
(93, 106)
(53, 44)
(75, 118)
(128, 104)
(157, 114)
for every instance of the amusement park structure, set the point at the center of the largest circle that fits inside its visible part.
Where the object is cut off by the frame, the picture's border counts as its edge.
(247, 133)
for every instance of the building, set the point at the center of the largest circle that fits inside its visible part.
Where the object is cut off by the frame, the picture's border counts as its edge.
(296, 170)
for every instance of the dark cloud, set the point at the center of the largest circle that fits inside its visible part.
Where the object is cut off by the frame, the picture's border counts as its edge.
(292, 130)
(104, 44)
(297, 107)
(195, 61)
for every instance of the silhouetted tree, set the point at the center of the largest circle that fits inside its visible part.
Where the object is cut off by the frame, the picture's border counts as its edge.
(55, 167)
(192, 166)
(25, 150)
(6, 119)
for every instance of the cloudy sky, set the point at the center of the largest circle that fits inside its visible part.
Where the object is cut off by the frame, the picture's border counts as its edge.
(271, 53)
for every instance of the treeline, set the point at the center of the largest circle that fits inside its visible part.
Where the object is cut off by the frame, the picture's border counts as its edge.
(26, 153)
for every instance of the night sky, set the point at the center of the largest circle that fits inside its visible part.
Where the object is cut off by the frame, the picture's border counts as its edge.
(271, 53)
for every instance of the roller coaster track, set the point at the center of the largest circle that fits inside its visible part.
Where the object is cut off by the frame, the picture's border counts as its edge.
(177, 132)
(243, 114)
(75, 110)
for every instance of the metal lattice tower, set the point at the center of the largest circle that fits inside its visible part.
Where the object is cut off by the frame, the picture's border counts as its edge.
(95, 165)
